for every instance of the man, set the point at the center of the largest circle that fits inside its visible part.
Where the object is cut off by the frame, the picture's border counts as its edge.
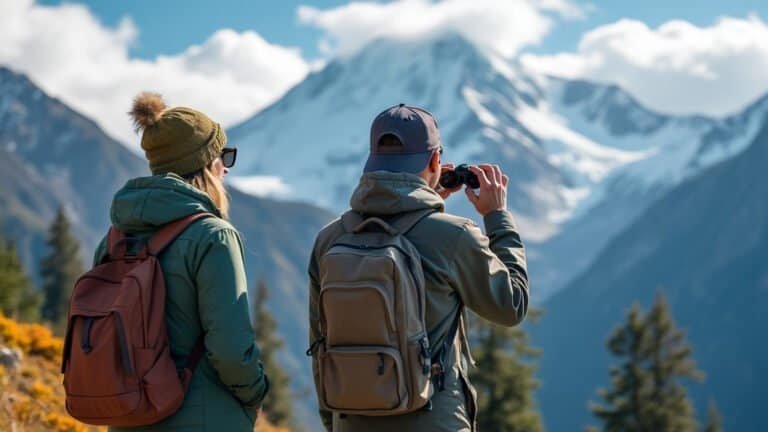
(462, 267)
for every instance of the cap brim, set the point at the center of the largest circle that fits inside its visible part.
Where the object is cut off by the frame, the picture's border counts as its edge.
(413, 163)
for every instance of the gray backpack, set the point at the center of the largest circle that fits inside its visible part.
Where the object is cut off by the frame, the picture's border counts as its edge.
(375, 357)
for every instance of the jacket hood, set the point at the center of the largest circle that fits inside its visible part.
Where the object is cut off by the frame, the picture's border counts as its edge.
(389, 193)
(146, 203)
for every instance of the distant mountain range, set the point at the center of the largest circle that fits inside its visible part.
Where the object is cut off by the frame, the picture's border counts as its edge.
(614, 201)
(52, 156)
(705, 245)
(584, 159)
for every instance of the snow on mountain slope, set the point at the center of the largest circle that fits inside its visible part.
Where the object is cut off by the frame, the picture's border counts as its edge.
(584, 159)
(316, 137)
(674, 149)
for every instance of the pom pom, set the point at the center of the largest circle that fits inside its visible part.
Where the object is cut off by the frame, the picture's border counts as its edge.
(146, 111)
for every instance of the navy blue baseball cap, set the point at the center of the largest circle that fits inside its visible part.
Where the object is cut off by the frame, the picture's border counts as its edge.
(415, 128)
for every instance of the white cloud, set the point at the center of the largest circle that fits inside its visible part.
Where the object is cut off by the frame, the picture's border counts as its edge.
(68, 52)
(502, 26)
(261, 186)
(677, 68)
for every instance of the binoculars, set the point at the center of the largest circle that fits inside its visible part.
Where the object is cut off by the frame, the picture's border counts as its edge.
(461, 175)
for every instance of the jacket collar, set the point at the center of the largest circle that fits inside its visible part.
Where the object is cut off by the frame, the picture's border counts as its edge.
(387, 193)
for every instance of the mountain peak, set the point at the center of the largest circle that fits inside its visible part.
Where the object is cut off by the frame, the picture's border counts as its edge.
(439, 44)
(424, 58)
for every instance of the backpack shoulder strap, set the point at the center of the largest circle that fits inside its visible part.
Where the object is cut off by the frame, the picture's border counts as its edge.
(115, 246)
(351, 220)
(168, 233)
(440, 356)
(114, 236)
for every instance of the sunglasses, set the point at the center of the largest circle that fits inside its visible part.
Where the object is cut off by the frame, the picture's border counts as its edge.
(228, 156)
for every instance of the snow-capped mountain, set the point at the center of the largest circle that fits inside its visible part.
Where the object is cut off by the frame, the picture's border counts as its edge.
(316, 137)
(673, 150)
(584, 159)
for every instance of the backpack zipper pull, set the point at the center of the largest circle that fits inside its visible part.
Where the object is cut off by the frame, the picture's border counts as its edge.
(315, 345)
(381, 364)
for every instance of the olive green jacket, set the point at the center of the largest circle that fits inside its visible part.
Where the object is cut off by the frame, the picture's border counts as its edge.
(461, 267)
(206, 295)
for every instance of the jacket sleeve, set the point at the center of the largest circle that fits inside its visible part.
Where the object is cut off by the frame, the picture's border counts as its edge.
(314, 332)
(490, 272)
(223, 306)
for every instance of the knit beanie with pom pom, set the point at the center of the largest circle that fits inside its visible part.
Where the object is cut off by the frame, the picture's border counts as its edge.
(178, 140)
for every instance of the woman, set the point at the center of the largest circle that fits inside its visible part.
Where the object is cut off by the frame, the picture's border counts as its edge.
(203, 267)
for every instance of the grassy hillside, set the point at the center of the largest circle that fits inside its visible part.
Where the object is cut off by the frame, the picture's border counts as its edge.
(31, 397)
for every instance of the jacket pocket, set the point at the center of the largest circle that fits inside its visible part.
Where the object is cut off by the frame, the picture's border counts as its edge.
(365, 378)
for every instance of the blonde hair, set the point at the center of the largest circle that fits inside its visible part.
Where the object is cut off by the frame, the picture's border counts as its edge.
(211, 185)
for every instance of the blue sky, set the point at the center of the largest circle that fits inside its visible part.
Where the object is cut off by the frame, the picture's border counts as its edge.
(170, 26)
(236, 57)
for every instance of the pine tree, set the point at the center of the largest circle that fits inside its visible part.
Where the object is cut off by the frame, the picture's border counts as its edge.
(504, 379)
(714, 419)
(18, 297)
(277, 405)
(59, 270)
(647, 394)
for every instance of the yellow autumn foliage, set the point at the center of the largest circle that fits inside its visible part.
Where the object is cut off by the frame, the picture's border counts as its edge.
(63, 423)
(41, 392)
(34, 339)
(32, 398)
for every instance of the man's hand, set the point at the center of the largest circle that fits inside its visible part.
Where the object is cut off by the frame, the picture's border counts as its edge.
(443, 192)
(493, 189)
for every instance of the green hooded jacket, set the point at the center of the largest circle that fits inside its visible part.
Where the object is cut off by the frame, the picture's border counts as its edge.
(462, 266)
(206, 294)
